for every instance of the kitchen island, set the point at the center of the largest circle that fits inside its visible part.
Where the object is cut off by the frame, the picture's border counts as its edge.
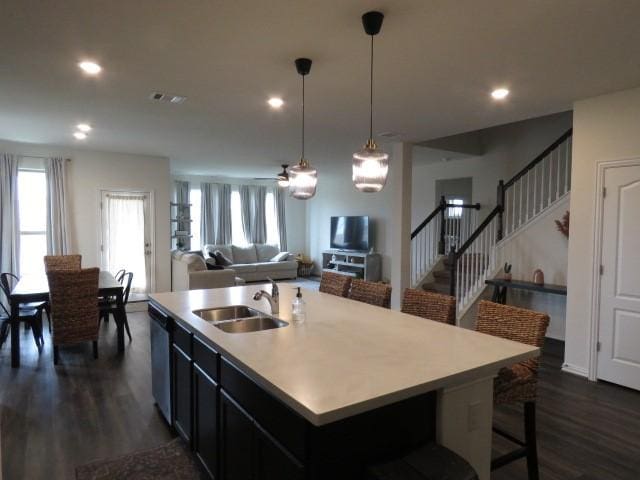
(350, 385)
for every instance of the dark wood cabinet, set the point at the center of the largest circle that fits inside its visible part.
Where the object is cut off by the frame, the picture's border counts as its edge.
(205, 421)
(236, 441)
(182, 393)
(240, 431)
(248, 452)
(273, 461)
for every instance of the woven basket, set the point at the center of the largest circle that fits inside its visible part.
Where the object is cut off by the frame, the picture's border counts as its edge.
(304, 269)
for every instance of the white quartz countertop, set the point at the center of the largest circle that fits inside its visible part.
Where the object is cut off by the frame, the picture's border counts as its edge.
(348, 357)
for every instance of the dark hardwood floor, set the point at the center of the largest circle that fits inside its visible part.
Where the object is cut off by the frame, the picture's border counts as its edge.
(586, 430)
(54, 419)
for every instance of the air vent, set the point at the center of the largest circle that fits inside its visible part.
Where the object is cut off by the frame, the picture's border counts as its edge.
(167, 97)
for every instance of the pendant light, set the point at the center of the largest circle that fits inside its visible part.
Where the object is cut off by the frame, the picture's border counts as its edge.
(303, 178)
(371, 164)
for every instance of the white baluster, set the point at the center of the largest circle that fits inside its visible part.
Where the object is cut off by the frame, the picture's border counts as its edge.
(558, 156)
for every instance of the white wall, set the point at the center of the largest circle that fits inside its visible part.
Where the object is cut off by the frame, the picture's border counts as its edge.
(507, 149)
(335, 196)
(295, 209)
(91, 171)
(605, 128)
(540, 245)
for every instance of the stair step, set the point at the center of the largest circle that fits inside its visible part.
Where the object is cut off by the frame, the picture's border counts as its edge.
(437, 288)
(442, 275)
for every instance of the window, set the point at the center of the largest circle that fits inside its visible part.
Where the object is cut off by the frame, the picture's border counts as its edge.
(273, 233)
(32, 205)
(455, 212)
(237, 231)
(238, 236)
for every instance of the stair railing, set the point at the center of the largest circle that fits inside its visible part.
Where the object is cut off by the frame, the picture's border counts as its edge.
(472, 263)
(542, 182)
(446, 226)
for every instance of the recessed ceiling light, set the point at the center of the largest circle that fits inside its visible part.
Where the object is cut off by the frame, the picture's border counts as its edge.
(80, 135)
(275, 102)
(84, 127)
(500, 93)
(91, 68)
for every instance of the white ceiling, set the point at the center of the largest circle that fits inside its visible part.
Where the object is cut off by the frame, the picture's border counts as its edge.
(436, 61)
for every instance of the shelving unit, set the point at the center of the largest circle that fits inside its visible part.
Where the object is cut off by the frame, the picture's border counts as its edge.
(181, 216)
(353, 264)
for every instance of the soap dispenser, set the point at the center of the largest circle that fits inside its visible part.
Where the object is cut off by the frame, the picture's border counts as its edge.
(298, 310)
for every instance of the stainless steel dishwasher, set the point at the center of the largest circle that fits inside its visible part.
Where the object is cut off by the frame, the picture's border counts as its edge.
(160, 326)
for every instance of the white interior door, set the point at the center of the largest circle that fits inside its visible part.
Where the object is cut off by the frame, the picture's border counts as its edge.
(619, 335)
(126, 221)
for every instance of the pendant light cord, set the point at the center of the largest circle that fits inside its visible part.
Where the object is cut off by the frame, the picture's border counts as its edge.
(303, 116)
(371, 94)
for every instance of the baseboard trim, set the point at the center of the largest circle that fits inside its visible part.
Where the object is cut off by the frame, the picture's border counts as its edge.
(575, 370)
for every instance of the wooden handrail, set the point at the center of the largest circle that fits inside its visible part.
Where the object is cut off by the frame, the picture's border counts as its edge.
(439, 208)
(474, 235)
(539, 158)
(425, 222)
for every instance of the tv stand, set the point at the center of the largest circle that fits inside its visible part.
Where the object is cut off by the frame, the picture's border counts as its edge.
(365, 265)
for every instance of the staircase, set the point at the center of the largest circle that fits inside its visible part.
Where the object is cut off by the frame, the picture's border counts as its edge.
(456, 260)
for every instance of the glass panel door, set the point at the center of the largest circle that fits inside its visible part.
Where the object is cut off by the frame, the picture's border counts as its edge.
(126, 236)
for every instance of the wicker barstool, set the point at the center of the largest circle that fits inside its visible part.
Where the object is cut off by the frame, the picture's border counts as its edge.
(62, 262)
(378, 294)
(74, 308)
(516, 384)
(429, 305)
(335, 284)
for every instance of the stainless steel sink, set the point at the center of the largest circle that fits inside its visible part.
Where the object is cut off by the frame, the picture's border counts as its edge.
(239, 319)
(227, 313)
(253, 324)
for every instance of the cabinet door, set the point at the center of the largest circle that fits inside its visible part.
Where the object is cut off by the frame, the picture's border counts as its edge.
(272, 461)
(236, 441)
(182, 397)
(205, 433)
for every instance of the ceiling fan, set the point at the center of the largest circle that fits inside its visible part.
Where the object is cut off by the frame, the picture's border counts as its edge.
(282, 178)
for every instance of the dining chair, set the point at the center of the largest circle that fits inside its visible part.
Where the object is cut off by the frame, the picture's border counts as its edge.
(516, 384)
(8, 281)
(62, 262)
(109, 306)
(373, 293)
(74, 308)
(30, 316)
(335, 284)
(119, 276)
(430, 305)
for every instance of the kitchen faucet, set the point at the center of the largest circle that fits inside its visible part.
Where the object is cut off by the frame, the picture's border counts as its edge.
(273, 297)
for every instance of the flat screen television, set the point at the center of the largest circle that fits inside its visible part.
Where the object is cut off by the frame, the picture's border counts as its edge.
(350, 233)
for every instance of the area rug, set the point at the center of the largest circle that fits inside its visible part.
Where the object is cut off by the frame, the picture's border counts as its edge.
(172, 461)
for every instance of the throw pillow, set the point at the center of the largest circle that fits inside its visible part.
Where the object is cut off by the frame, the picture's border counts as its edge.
(281, 257)
(221, 259)
(212, 265)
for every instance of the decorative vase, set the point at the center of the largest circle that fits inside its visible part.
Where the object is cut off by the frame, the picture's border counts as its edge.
(538, 277)
(507, 277)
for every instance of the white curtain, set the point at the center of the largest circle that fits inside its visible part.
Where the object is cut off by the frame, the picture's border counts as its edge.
(223, 223)
(253, 205)
(215, 213)
(9, 229)
(281, 218)
(57, 220)
(126, 237)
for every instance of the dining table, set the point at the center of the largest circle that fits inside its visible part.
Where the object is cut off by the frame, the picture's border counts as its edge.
(35, 288)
